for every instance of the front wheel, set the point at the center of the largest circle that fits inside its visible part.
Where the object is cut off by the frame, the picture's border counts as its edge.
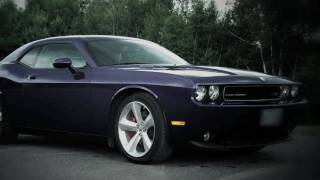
(141, 130)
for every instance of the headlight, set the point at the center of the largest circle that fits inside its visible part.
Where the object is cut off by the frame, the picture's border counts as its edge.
(285, 91)
(213, 92)
(294, 91)
(200, 93)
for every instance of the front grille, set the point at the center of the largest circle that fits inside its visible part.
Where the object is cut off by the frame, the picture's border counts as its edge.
(252, 93)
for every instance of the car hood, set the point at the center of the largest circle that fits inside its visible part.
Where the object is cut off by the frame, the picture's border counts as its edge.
(209, 74)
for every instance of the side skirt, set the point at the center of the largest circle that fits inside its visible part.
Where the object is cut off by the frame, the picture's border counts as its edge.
(57, 134)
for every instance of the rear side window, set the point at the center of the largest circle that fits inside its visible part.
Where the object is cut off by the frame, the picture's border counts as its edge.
(51, 52)
(30, 57)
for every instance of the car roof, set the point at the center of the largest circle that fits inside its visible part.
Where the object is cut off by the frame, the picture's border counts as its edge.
(74, 38)
(78, 37)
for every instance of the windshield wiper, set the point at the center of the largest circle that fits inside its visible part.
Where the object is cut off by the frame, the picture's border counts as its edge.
(174, 66)
(168, 66)
(128, 63)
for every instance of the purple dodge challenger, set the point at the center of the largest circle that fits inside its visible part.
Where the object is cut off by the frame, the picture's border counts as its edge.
(140, 97)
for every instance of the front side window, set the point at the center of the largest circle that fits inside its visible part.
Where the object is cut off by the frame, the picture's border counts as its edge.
(117, 52)
(51, 52)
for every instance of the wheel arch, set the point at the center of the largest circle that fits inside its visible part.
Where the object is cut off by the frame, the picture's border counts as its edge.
(116, 99)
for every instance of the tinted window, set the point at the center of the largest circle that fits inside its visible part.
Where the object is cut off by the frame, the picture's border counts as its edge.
(30, 57)
(114, 52)
(52, 52)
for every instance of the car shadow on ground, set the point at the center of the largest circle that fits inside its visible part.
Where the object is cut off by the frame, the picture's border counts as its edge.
(181, 157)
(210, 157)
(65, 158)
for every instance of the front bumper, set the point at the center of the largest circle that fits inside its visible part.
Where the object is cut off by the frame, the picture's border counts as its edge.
(233, 125)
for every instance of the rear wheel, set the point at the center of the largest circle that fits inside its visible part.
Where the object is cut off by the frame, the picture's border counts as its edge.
(141, 131)
(8, 133)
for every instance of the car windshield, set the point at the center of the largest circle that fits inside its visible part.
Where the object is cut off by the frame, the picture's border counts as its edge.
(108, 52)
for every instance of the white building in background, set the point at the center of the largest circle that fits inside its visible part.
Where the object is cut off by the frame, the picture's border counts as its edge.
(20, 3)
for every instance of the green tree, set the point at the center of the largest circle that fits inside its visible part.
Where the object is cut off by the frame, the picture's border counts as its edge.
(9, 27)
(203, 21)
(35, 22)
(176, 35)
(156, 14)
(98, 18)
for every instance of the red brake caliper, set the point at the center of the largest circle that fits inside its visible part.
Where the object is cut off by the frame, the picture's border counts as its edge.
(131, 133)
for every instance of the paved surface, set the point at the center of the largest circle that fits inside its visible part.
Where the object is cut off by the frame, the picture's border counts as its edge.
(37, 158)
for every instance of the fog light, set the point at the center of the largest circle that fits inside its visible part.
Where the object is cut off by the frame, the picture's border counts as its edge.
(206, 136)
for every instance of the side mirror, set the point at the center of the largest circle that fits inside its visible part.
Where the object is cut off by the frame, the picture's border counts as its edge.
(62, 63)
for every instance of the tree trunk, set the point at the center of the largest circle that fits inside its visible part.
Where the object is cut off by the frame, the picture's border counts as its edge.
(247, 66)
(137, 31)
(194, 48)
(280, 61)
(207, 46)
(113, 20)
(273, 66)
(220, 54)
(295, 65)
(264, 66)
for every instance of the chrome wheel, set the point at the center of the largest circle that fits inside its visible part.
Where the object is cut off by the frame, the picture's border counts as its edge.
(136, 129)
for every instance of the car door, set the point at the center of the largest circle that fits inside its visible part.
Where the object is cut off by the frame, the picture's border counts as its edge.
(56, 99)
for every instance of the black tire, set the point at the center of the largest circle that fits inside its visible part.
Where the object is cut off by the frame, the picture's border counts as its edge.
(8, 133)
(161, 148)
